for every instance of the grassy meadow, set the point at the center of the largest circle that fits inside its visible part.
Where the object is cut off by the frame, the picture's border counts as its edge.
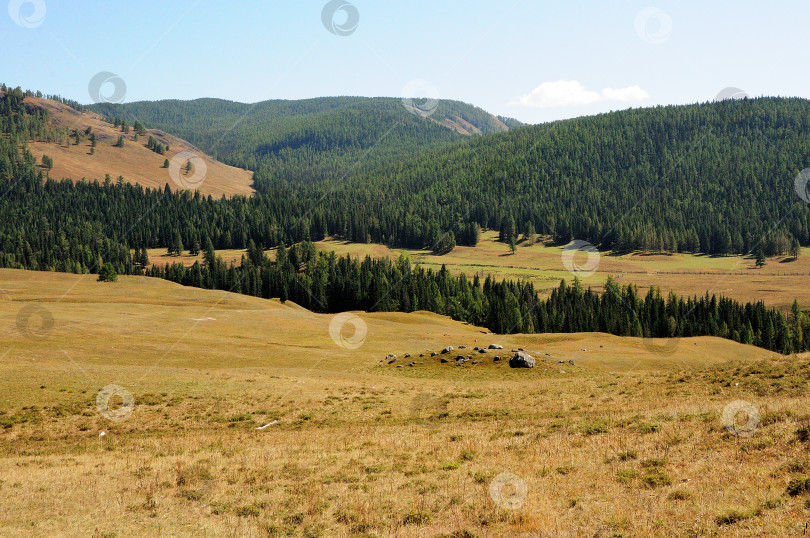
(777, 283)
(227, 415)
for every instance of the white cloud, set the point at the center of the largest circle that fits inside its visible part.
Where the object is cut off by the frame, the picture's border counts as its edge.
(572, 92)
(627, 95)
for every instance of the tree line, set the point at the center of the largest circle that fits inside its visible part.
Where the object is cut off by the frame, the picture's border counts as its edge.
(323, 282)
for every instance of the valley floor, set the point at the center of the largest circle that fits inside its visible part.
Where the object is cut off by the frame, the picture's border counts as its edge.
(255, 418)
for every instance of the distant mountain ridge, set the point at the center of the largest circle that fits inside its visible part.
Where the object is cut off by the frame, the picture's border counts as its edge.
(310, 140)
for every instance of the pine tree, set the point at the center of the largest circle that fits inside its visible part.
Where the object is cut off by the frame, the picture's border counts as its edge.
(107, 273)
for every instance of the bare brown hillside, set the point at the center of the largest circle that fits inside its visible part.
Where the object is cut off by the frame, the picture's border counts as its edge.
(135, 162)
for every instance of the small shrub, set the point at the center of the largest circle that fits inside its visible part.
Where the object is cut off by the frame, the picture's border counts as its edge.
(191, 494)
(679, 495)
(596, 427)
(734, 516)
(655, 479)
(798, 486)
(625, 476)
(248, 511)
(416, 517)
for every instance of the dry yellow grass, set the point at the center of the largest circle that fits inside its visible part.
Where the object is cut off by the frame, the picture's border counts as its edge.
(625, 442)
(778, 283)
(135, 162)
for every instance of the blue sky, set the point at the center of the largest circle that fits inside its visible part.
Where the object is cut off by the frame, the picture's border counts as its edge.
(535, 61)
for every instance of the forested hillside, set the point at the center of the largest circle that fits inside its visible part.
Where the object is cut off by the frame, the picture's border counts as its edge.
(309, 140)
(636, 179)
(713, 178)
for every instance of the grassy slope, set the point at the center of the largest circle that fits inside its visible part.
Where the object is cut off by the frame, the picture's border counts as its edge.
(134, 161)
(363, 447)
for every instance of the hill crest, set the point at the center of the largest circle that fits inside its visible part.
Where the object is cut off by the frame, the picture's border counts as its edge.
(135, 162)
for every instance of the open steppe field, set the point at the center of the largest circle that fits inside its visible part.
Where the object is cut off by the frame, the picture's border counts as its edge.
(778, 283)
(250, 417)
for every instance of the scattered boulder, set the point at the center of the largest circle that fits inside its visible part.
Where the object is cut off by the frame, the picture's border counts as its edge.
(469, 357)
(514, 350)
(476, 348)
(462, 347)
(399, 366)
(571, 362)
(497, 358)
(444, 360)
(421, 354)
(520, 349)
(521, 360)
(390, 356)
(447, 350)
(407, 355)
(392, 361)
(460, 357)
(482, 350)
(433, 354)
(495, 346)
(475, 362)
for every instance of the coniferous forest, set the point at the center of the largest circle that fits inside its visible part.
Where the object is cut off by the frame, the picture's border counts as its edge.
(735, 160)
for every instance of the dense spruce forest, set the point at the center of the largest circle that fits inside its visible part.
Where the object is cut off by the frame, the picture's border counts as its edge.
(735, 160)
(631, 180)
